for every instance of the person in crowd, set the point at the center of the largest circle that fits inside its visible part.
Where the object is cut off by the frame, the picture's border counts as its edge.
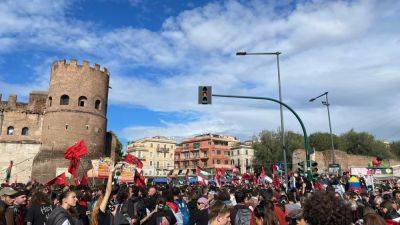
(199, 216)
(19, 207)
(372, 218)
(161, 215)
(6, 201)
(61, 214)
(219, 214)
(102, 215)
(320, 204)
(264, 214)
(241, 213)
(40, 210)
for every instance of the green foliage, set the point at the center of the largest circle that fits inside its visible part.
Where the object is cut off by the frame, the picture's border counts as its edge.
(322, 141)
(268, 150)
(118, 150)
(363, 143)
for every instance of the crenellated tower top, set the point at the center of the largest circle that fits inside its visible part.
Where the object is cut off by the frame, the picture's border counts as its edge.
(73, 65)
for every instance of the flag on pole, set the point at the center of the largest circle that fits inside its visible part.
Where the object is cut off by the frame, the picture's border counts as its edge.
(131, 159)
(59, 180)
(74, 153)
(84, 181)
(8, 172)
(202, 175)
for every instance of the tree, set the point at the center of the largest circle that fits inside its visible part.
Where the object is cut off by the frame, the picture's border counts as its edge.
(395, 148)
(118, 150)
(322, 141)
(268, 147)
(363, 143)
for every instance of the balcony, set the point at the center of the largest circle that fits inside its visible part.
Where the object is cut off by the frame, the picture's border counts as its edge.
(163, 150)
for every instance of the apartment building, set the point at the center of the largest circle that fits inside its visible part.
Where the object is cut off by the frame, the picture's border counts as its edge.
(156, 153)
(242, 157)
(208, 151)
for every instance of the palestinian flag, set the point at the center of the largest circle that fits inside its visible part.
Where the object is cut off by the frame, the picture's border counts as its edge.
(202, 175)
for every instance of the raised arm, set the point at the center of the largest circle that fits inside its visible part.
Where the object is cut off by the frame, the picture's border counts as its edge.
(104, 202)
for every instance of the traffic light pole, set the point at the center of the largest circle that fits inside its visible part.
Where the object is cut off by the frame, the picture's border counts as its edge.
(307, 146)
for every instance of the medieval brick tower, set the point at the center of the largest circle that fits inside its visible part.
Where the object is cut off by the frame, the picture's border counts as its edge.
(76, 109)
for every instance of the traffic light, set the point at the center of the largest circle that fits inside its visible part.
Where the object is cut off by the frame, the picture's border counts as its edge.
(314, 169)
(301, 169)
(205, 95)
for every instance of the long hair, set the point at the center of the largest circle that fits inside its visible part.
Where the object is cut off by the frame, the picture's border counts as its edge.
(269, 214)
(39, 198)
(95, 213)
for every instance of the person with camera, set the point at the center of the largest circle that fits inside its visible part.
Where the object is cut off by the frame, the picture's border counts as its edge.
(161, 215)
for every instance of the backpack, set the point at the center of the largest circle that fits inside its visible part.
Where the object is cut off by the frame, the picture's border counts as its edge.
(184, 211)
(121, 216)
(243, 217)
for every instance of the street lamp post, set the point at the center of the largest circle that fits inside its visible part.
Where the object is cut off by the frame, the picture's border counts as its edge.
(280, 106)
(326, 103)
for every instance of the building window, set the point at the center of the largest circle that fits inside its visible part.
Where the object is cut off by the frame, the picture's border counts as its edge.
(238, 162)
(10, 130)
(87, 127)
(218, 161)
(50, 101)
(170, 155)
(151, 145)
(213, 151)
(247, 162)
(151, 163)
(226, 162)
(247, 152)
(165, 155)
(82, 101)
(218, 152)
(97, 104)
(25, 131)
(233, 162)
(158, 164)
(64, 100)
(66, 126)
(238, 152)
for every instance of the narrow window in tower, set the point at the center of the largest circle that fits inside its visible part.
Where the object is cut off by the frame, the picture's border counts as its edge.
(82, 101)
(25, 131)
(97, 104)
(10, 130)
(64, 100)
(50, 100)
(87, 127)
(66, 126)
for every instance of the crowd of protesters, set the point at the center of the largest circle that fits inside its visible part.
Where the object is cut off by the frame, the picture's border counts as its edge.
(328, 201)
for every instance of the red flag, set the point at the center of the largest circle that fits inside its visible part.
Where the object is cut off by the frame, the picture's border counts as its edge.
(274, 168)
(59, 180)
(84, 181)
(131, 159)
(74, 153)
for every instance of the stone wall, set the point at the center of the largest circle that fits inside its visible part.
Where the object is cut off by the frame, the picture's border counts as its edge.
(22, 154)
(345, 160)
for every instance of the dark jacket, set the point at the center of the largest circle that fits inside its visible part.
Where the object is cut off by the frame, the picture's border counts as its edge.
(199, 217)
(235, 210)
(58, 216)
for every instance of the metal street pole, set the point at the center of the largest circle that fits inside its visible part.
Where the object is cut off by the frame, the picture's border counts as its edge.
(330, 127)
(307, 146)
(282, 130)
(326, 103)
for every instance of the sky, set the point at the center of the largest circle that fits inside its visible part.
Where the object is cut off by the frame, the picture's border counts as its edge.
(158, 52)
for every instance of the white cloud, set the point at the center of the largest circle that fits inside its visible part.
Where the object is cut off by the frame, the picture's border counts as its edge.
(347, 48)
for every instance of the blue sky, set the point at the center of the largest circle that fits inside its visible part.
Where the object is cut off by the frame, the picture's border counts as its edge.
(158, 52)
